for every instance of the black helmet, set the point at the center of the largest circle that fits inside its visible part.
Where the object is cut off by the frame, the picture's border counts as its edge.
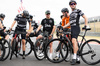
(47, 12)
(65, 10)
(2, 15)
(72, 1)
(31, 16)
(25, 13)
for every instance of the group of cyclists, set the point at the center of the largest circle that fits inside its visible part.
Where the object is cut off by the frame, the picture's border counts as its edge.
(70, 22)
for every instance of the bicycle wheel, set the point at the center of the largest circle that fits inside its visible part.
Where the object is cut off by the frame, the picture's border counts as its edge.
(90, 52)
(13, 48)
(59, 49)
(2, 51)
(70, 53)
(28, 48)
(7, 49)
(39, 50)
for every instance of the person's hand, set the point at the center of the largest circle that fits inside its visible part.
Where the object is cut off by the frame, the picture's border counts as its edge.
(64, 27)
(50, 35)
(4, 30)
(10, 29)
(28, 32)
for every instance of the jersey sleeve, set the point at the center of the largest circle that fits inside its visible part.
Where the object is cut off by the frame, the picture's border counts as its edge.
(16, 18)
(28, 20)
(81, 13)
(53, 22)
(42, 22)
(32, 24)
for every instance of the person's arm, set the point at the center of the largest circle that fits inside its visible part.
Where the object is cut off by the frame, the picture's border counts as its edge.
(38, 28)
(13, 24)
(31, 29)
(68, 24)
(86, 20)
(53, 30)
(29, 25)
(1, 26)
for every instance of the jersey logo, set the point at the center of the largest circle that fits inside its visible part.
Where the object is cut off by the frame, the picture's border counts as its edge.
(46, 25)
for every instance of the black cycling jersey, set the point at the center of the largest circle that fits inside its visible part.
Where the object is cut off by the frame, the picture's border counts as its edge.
(75, 16)
(47, 24)
(34, 24)
(21, 21)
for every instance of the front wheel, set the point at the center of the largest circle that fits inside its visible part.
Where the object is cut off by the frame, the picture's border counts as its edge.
(7, 49)
(58, 49)
(90, 52)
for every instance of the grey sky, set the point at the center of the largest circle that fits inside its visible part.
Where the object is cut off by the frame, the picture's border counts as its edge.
(38, 8)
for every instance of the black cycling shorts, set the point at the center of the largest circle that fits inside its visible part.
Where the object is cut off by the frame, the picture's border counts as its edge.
(23, 36)
(3, 34)
(75, 30)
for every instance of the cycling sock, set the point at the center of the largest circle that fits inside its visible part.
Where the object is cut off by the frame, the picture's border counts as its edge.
(74, 56)
(50, 54)
(78, 59)
(57, 54)
(23, 52)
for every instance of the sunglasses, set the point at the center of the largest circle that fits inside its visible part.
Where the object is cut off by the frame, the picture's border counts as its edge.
(73, 4)
(48, 14)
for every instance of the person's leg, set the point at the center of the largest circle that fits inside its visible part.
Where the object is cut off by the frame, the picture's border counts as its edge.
(23, 44)
(51, 49)
(39, 46)
(75, 47)
(12, 39)
(75, 32)
(7, 37)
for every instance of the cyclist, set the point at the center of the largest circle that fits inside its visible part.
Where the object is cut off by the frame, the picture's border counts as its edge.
(75, 28)
(34, 26)
(65, 20)
(2, 28)
(48, 25)
(21, 20)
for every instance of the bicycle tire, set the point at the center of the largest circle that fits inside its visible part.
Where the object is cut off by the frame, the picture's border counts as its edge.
(3, 51)
(36, 49)
(85, 46)
(63, 56)
(7, 49)
(30, 48)
(13, 48)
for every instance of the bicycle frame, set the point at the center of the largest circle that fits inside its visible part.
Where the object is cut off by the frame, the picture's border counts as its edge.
(64, 39)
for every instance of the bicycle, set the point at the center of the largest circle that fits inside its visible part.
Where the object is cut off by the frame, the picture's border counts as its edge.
(16, 45)
(85, 48)
(40, 46)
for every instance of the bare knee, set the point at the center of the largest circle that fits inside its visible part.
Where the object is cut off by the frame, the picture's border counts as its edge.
(73, 40)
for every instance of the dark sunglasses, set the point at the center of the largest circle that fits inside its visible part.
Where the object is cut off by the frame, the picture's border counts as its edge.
(73, 4)
(48, 14)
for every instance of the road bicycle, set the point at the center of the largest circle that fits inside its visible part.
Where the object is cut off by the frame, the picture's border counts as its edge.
(17, 45)
(88, 49)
